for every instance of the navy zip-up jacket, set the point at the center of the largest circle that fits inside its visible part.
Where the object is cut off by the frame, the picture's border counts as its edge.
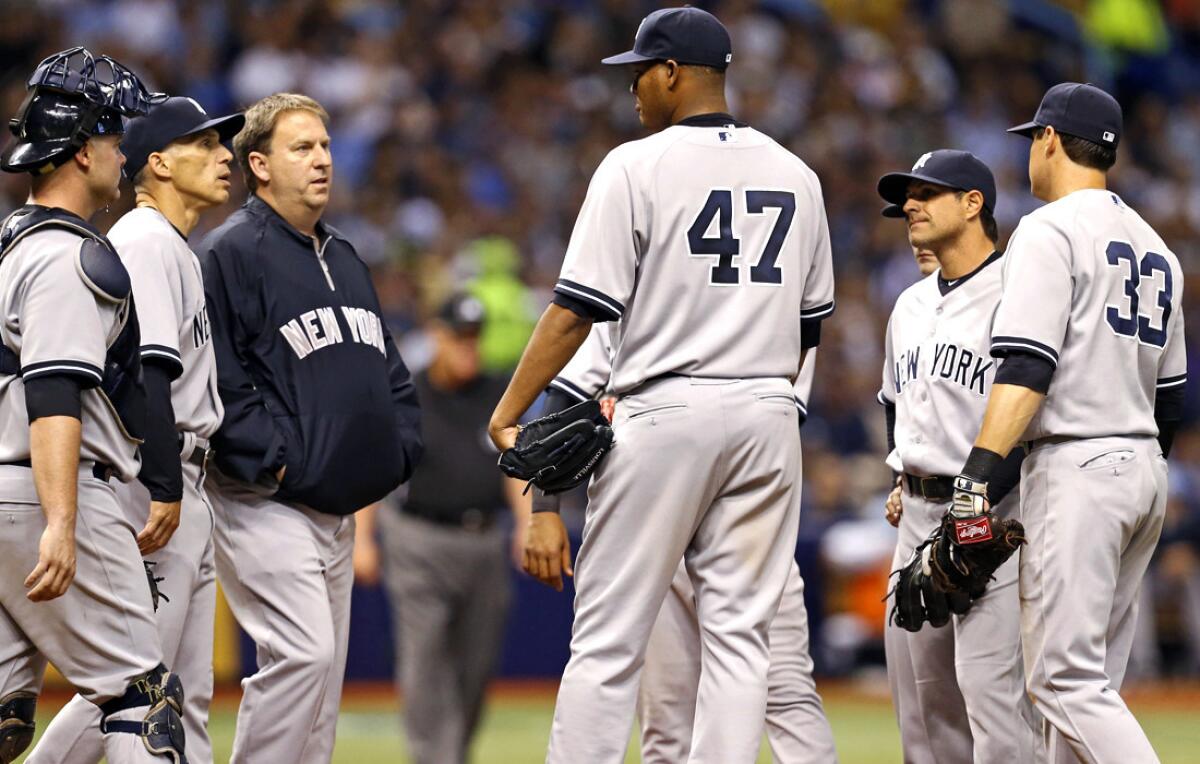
(307, 370)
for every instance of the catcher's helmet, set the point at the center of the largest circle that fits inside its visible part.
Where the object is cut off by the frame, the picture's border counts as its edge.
(73, 95)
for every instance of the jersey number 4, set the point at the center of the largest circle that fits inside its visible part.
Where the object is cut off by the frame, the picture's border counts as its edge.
(725, 246)
(1125, 318)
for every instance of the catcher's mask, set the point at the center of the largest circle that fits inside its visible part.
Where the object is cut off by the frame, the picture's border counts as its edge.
(73, 95)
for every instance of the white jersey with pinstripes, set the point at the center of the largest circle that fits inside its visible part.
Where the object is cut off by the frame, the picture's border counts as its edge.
(1090, 287)
(169, 292)
(710, 244)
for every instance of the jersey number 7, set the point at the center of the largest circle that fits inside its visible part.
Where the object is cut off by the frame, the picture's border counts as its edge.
(1131, 322)
(725, 246)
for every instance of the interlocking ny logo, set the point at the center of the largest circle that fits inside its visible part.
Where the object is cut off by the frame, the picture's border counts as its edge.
(921, 162)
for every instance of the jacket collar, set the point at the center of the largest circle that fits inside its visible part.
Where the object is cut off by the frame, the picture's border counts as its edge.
(258, 207)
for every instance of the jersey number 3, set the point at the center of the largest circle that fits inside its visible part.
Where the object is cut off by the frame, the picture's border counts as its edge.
(1125, 318)
(725, 246)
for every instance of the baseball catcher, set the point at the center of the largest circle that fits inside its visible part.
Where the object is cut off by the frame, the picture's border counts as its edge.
(559, 451)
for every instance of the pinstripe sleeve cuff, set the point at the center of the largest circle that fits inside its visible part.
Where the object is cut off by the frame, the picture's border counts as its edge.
(817, 313)
(593, 297)
(801, 406)
(167, 356)
(879, 396)
(570, 388)
(88, 372)
(1174, 381)
(1002, 346)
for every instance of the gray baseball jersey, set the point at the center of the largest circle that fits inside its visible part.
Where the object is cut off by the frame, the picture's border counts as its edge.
(174, 325)
(740, 214)
(937, 368)
(56, 324)
(1090, 287)
(966, 678)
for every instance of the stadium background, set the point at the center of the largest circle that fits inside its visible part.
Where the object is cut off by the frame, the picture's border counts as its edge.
(464, 134)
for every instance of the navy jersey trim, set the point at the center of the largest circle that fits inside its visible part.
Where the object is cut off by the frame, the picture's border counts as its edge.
(946, 287)
(1002, 345)
(593, 297)
(1174, 381)
(817, 313)
(165, 355)
(78, 368)
(879, 396)
(803, 408)
(571, 389)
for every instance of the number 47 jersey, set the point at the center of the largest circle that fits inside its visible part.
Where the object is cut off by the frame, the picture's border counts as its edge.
(710, 246)
(1090, 287)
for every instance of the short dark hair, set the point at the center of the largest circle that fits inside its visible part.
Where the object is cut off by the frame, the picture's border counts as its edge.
(986, 219)
(1081, 151)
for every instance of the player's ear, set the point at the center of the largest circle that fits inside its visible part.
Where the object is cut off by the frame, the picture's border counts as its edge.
(1052, 140)
(974, 203)
(672, 73)
(158, 165)
(258, 165)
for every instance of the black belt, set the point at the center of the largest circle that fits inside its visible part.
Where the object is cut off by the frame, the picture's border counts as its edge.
(199, 455)
(470, 520)
(100, 471)
(934, 488)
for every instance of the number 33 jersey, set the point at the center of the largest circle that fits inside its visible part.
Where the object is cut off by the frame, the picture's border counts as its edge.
(710, 246)
(1090, 287)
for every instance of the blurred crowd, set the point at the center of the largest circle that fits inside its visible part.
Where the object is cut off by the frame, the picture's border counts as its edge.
(465, 132)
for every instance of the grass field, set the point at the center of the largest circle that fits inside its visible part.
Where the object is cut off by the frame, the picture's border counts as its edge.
(518, 721)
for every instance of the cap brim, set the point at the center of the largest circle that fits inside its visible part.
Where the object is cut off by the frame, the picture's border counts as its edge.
(226, 127)
(893, 211)
(893, 187)
(628, 57)
(1025, 129)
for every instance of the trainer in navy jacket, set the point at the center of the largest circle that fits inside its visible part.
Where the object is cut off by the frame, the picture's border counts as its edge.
(308, 373)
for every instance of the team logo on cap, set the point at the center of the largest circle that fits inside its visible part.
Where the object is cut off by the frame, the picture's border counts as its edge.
(921, 162)
(1108, 136)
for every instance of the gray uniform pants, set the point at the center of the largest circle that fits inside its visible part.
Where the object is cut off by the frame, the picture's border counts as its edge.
(287, 572)
(185, 630)
(101, 633)
(797, 729)
(705, 470)
(1093, 510)
(959, 691)
(449, 590)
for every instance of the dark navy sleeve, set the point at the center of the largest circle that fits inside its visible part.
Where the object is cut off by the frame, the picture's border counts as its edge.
(407, 410)
(249, 447)
(162, 471)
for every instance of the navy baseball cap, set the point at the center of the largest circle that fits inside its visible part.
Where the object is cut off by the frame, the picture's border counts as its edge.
(1079, 109)
(174, 118)
(687, 35)
(960, 170)
(463, 313)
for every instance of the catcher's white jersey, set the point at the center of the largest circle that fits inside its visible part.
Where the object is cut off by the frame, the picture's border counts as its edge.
(938, 369)
(169, 291)
(710, 245)
(1089, 286)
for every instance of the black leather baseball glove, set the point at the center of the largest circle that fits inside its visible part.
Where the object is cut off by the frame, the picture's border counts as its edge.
(965, 552)
(916, 600)
(560, 451)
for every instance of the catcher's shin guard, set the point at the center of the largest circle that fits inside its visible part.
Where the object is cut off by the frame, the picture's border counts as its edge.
(16, 724)
(162, 728)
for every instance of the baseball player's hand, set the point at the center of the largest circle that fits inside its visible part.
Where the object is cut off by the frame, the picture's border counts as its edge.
(56, 564)
(548, 550)
(504, 436)
(366, 562)
(894, 507)
(164, 519)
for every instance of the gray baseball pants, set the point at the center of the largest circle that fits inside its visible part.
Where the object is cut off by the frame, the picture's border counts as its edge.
(287, 572)
(100, 634)
(185, 629)
(797, 729)
(959, 691)
(707, 470)
(449, 589)
(1093, 510)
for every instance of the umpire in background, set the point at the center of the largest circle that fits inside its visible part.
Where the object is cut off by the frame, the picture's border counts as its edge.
(321, 420)
(445, 554)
